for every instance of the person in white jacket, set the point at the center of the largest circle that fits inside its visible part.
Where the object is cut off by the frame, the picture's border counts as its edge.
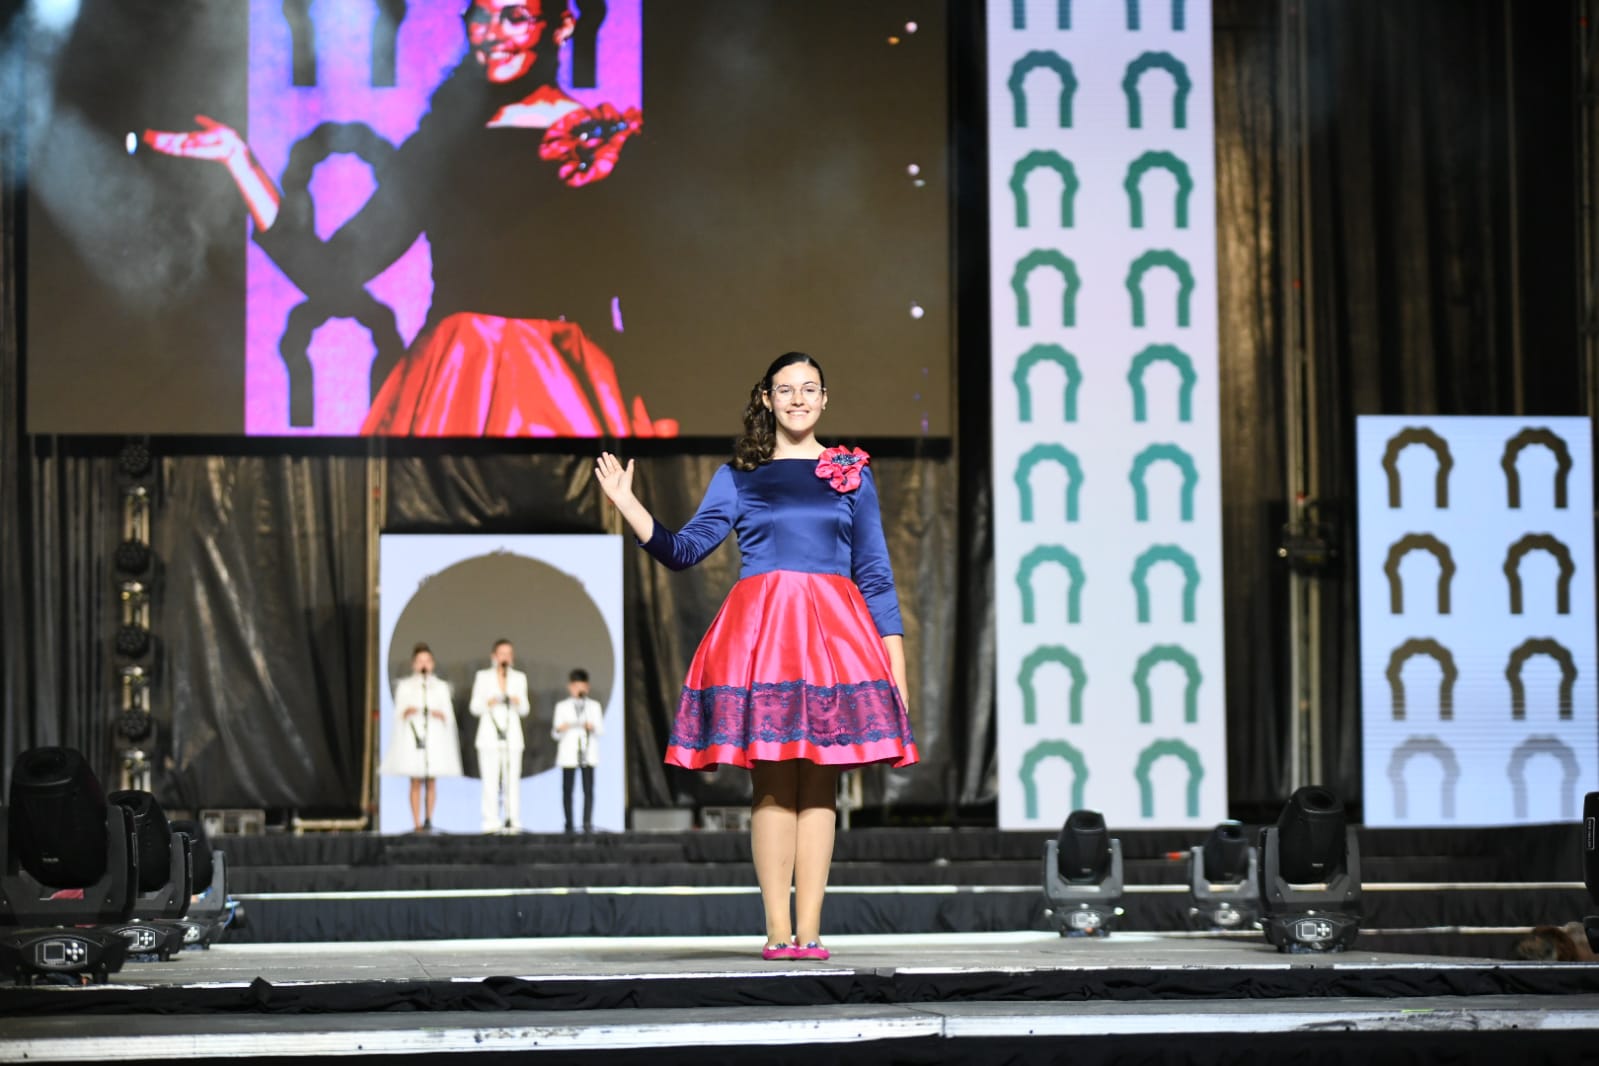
(576, 727)
(425, 744)
(499, 703)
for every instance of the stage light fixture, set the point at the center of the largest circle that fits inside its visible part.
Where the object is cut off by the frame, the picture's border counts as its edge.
(1083, 876)
(1223, 875)
(210, 911)
(135, 460)
(133, 636)
(133, 556)
(165, 864)
(59, 833)
(1310, 875)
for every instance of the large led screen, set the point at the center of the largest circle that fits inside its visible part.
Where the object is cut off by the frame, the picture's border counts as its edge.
(1107, 477)
(473, 218)
(1478, 701)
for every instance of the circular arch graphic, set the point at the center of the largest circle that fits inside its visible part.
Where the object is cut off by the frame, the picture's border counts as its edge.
(1535, 435)
(1143, 65)
(1166, 553)
(1163, 353)
(1167, 653)
(1051, 749)
(1161, 749)
(1046, 353)
(1038, 657)
(1047, 61)
(1162, 161)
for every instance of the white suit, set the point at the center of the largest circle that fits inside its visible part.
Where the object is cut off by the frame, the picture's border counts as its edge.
(407, 756)
(576, 746)
(499, 705)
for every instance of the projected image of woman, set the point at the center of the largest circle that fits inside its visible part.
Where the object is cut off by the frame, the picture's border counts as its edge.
(802, 673)
(510, 179)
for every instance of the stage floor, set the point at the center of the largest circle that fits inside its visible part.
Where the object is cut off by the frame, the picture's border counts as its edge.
(680, 958)
(590, 995)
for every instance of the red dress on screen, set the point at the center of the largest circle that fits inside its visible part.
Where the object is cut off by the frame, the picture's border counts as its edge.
(527, 296)
(793, 666)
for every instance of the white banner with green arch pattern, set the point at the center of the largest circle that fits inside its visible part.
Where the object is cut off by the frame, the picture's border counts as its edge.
(1107, 488)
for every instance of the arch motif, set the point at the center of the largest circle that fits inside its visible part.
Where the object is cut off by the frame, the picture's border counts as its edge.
(1518, 662)
(1052, 653)
(1446, 685)
(1051, 553)
(1163, 353)
(1177, 265)
(1401, 758)
(1396, 554)
(1050, 749)
(1519, 443)
(297, 212)
(1540, 542)
(1179, 21)
(1025, 66)
(1516, 770)
(1164, 161)
(1171, 65)
(1166, 653)
(1068, 272)
(1054, 453)
(1427, 439)
(1018, 14)
(1166, 553)
(1053, 161)
(1146, 761)
(1046, 353)
(1156, 453)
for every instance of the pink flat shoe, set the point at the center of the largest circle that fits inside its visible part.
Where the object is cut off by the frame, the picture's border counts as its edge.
(813, 950)
(781, 951)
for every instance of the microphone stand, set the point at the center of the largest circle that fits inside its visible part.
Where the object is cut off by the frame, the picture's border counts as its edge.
(505, 755)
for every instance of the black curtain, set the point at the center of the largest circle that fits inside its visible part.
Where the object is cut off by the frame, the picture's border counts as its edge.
(1441, 238)
(1425, 117)
(261, 611)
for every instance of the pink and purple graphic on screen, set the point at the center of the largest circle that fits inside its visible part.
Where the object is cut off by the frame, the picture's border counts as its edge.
(309, 360)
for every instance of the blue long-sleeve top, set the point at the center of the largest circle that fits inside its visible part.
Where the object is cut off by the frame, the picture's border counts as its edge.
(787, 518)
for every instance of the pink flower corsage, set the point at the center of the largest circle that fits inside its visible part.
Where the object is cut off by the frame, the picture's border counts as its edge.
(586, 143)
(842, 467)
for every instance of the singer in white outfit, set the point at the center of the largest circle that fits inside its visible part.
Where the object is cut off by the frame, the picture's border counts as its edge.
(576, 727)
(425, 744)
(499, 703)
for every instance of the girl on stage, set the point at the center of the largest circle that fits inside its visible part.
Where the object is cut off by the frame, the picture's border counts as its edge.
(425, 744)
(510, 179)
(802, 674)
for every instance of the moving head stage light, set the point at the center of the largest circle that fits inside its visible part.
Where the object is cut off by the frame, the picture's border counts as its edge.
(166, 874)
(67, 859)
(1310, 875)
(1083, 876)
(1224, 878)
(210, 911)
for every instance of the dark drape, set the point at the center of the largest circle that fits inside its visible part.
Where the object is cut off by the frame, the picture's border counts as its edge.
(1440, 254)
(1254, 590)
(1435, 290)
(262, 613)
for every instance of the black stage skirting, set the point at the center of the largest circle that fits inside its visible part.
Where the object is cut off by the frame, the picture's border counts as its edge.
(791, 989)
(1521, 853)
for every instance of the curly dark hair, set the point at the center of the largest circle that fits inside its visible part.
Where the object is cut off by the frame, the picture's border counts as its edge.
(755, 447)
